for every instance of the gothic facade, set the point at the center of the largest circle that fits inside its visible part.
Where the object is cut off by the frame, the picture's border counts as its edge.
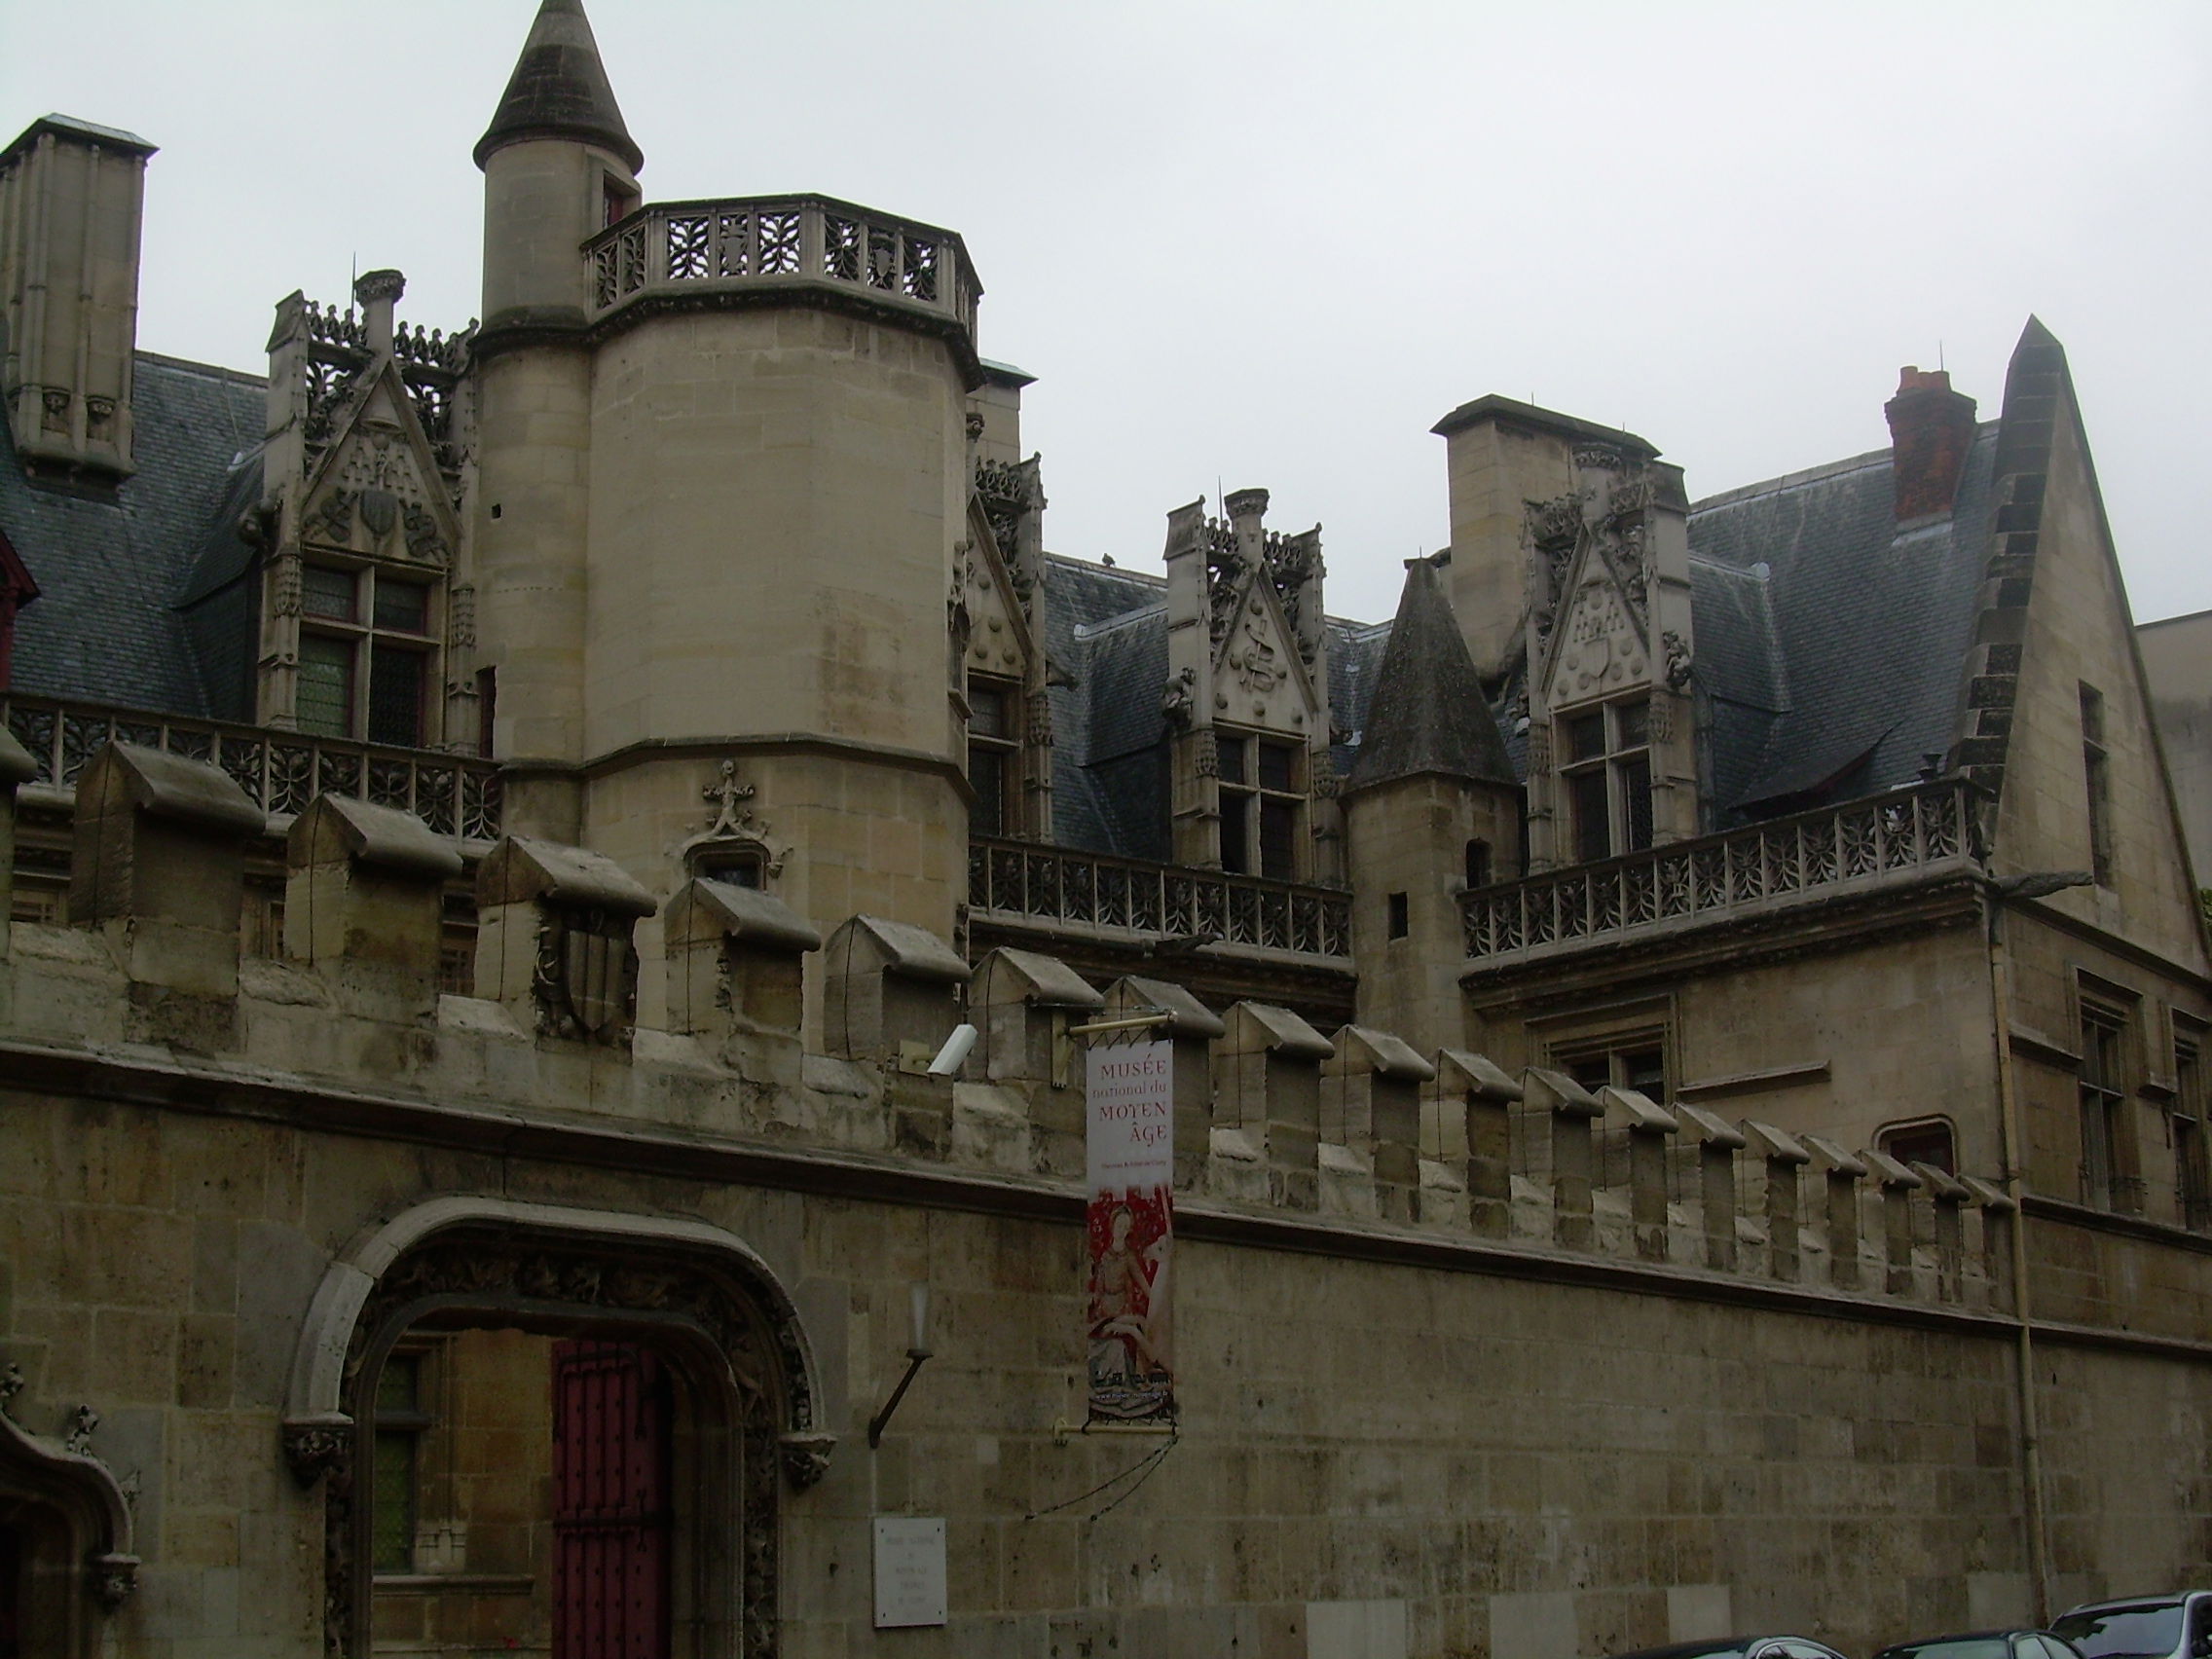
(1689, 1039)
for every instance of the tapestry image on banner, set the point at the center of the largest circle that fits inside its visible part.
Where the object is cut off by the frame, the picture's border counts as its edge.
(1130, 1156)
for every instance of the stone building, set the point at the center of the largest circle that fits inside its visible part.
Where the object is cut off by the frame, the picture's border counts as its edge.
(1690, 1038)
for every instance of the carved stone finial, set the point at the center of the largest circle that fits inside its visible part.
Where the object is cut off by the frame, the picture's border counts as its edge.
(80, 1437)
(806, 1457)
(370, 286)
(730, 796)
(1678, 665)
(735, 822)
(1246, 503)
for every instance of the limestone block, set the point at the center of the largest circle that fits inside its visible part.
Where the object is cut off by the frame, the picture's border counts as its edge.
(1998, 1216)
(160, 857)
(1783, 1156)
(1841, 1174)
(1191, 1027)
(893, 992)
(1648, 1127)
(736, 974)
(1485, 1097)
(1024, 1002)
(1266, 1068)
(1898, 1184)
(1717, 1142)
(364, 896)
(1372, 1106)
(15, 769)
(554, 939)
(1947, 1196)
(1572, 1111)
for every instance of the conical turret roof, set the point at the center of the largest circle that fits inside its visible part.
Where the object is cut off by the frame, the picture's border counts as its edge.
(559, 90)
(1429, 714)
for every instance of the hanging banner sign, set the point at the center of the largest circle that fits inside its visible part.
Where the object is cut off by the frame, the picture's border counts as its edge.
(1130, 1138)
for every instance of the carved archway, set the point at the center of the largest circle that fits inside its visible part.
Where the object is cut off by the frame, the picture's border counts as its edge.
(696, 1292)
(71, 1521)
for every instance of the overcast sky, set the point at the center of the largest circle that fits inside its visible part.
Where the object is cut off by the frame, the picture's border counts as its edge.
(1271, 244)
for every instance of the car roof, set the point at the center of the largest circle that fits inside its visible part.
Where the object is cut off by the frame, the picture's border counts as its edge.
(1715, 1644)
(2163, 1599)
(1959, 1635)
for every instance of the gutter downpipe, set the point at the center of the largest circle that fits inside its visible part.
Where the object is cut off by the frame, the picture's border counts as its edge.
(2013, 1151)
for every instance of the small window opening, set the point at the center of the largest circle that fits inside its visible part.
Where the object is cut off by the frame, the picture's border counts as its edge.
(1478, 864)
(1399, 922)
(2103, 1089)
(2096, 768)
(1929, 1141)
(487, 707)
(738, 868)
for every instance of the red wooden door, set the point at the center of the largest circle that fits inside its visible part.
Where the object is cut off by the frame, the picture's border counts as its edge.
(611, 1502)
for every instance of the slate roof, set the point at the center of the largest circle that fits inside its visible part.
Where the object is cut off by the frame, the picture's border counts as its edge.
(560, 89)
(111, 569)
(1830, 639)
(1428, 713)
(1829, 642)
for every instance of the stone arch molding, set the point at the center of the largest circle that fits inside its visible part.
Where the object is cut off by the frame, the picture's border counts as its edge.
(319, 1430)
(67, 1478)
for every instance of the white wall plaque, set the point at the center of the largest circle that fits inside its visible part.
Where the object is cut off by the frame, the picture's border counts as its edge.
(909, 1571)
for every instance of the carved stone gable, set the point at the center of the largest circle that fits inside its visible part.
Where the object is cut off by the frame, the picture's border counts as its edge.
(1259, 676)
(374, 493)
(1601, 650)
(997, 639)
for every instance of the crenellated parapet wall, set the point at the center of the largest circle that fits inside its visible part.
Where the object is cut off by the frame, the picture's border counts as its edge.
(1351, 1130)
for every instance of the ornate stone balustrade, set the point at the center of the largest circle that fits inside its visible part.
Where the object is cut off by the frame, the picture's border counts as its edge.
(280, 772)
(1814, 856)
(761, 241)
(1021, 881)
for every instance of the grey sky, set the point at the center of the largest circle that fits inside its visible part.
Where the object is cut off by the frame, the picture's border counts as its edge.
(1270, 244)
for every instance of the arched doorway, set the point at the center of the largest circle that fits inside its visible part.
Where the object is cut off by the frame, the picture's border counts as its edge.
(65, 1538)
(664, 1353)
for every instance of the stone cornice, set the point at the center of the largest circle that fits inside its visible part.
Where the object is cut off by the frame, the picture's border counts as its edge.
(2089, 933)
(614, 760)
(804, 293)
(2043, 1208)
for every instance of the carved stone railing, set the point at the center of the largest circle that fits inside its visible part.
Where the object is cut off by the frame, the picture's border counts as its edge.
(281, 771)
(1022, 881)
(1814, 855)
(767, 241)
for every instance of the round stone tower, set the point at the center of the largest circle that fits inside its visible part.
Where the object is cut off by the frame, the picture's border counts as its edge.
(724, 472)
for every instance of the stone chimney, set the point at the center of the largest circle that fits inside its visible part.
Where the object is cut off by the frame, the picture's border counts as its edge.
(1930, 427)
(70, 201)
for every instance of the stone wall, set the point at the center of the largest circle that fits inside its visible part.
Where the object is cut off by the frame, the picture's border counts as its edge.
(1474, 1361)
(1530, 1464)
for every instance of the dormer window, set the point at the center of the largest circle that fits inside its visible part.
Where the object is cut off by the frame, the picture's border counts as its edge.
(1263, 804)
(1606, 776)
(994, 756)
(365, 650)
